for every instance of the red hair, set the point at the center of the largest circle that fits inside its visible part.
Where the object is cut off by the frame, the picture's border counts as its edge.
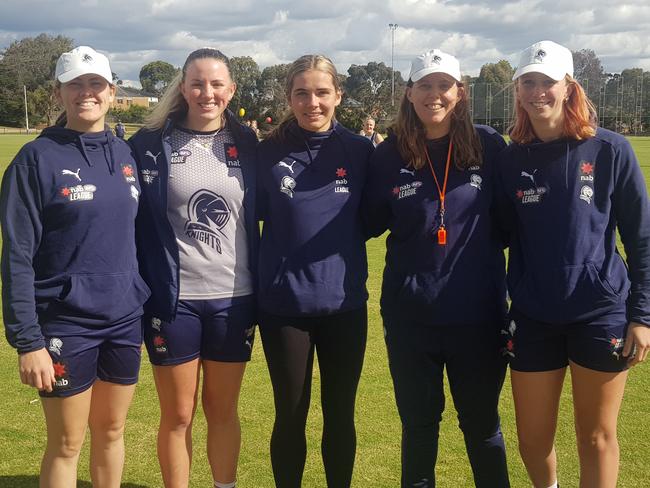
(579, 117)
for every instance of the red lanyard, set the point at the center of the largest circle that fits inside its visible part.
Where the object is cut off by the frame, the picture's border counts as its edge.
(442, 231)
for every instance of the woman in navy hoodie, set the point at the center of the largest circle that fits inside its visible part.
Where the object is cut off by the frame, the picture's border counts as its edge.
(443, 297)
(72, 295)
(312, 271)
(197, 238)
(567, 187)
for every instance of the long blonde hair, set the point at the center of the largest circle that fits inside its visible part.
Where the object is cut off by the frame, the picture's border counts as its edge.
(411, 134)
(303, 63)
(172, 105)
(579, 116)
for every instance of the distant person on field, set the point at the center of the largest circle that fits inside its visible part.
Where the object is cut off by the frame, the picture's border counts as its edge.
(72, 295)
(254, 128)
(567, 187)
(120, 130)
(197, 240)
(443, 298)
(368, 132)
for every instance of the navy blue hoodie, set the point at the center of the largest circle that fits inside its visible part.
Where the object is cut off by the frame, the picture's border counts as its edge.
(312, 254)
(68, 208)
(462, 282)
(562, 201)
(157, 247)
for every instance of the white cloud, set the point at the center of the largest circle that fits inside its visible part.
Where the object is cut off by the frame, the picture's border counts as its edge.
(135, 32)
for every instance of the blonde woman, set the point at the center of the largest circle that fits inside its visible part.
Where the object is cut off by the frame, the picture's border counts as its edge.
(313, 271)
(197, 244)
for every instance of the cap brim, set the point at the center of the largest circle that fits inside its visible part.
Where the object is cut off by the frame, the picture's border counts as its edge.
(556, 74)
(418, 75)
(74, 73)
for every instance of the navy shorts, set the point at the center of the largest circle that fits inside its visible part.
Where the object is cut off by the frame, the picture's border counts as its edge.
(537, 346)
(222, 329)
(81, 354)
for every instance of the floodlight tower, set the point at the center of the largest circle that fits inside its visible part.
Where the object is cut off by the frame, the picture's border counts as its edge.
(392, 63)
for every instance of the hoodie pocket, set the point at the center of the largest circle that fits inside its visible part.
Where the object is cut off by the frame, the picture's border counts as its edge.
(105, 297)
(422, 289)
(565, 294)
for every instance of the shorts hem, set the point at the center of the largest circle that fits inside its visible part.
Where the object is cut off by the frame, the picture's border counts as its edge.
(174, 361)
(624, 367)
(230, 359)
(68, 392)
(120, 381)
(536, 369)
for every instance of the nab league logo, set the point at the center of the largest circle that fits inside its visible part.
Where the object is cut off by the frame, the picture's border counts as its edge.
(208, 213)
(78, 192)
(128, 173)
(179, 157)
(341, 183)
(61, 378)
(160, 344)
(232, 155)
(149, 175)
(407, 190)
(586, 171)
(532, 195)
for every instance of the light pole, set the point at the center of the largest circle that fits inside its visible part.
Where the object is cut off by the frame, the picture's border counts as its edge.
(392, 63)
(26, 116)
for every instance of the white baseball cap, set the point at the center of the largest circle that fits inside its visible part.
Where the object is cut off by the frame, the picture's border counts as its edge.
(434, 61)
(82, 60)
(548, 58)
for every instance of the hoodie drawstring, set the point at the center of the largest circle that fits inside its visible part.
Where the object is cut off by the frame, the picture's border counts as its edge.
(111, 163)
(82, 148)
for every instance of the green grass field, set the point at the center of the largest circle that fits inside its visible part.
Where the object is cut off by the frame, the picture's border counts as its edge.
(22, 428)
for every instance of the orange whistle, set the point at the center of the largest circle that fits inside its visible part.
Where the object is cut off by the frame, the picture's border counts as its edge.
(442, 236)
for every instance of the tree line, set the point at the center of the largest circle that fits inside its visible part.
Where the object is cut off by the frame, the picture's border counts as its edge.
(622, 99)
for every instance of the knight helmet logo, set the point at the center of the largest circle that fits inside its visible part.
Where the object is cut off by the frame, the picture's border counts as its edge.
(207, 213)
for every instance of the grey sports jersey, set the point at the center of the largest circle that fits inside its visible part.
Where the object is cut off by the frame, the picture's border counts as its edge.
(204, 206)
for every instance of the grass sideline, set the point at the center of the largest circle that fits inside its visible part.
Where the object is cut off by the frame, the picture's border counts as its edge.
(22, 428)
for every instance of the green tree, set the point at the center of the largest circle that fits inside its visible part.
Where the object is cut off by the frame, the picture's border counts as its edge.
(588, 70)
(155, 76)
(271, 99)
(371, 86)
(500, 72)
(135, 114)
(29, 62)
(246, 73)
(492, 95)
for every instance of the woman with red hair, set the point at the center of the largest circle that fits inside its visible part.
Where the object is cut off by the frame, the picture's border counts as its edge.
(568, 185)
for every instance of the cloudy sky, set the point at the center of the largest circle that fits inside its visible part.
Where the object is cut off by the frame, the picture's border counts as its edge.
(135, 32)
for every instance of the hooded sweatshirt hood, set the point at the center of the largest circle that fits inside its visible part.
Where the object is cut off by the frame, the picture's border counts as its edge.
(96, 147)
